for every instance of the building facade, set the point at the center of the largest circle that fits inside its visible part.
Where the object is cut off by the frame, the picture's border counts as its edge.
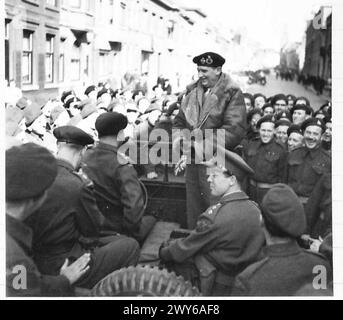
(53, 45)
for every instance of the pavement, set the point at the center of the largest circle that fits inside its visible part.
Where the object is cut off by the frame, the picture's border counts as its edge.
(275, 86)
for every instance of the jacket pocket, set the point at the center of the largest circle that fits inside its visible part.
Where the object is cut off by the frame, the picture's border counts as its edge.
(272, 156)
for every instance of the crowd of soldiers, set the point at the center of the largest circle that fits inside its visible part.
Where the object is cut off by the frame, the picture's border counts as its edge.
(76, 219)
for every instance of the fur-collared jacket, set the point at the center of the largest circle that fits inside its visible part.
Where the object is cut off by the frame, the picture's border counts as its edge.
(222, 108)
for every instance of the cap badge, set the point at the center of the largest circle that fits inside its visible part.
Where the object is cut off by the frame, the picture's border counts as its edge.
(209, 60)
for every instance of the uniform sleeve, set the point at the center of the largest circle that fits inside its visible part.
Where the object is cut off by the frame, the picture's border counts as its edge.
(56, 286)
(88, 216)
(240, 288)
(234, 120)
(203, 238)
(131, 198)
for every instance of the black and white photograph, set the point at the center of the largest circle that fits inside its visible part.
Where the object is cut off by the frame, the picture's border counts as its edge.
(170, 148)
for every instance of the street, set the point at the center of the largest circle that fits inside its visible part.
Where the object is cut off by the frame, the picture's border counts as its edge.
(275, 86)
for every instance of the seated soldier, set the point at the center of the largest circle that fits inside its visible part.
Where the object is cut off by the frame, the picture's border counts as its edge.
(286, 267)
(118, 191)
(30, 172)
(227, 237)
(68, 223)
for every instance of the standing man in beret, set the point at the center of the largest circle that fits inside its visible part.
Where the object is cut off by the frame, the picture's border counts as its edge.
(279, 103)
(300, 112)
(213, 102)
(227, 237)
(68, 223)
(267, 157)
(286, 267)
(295, 137)
(306, 165)
(91, 92)
(30, 172)
(119, 193)
(281, 127)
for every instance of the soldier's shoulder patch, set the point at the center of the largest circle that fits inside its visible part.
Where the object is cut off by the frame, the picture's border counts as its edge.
(84, 177)
(203, 225)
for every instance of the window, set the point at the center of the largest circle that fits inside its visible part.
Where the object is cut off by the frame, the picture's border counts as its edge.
(49, 58)
(27, 57)
(145, 62)
(7, 51)
(61, 62)
(75, 63)
(104, 63)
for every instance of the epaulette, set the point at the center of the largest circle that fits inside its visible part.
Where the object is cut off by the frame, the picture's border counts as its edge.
(83, 176)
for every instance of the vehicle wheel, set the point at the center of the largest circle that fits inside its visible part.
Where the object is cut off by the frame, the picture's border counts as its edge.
(145, 281)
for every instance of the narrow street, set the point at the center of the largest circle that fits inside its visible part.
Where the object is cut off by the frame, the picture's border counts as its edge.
(275, 86)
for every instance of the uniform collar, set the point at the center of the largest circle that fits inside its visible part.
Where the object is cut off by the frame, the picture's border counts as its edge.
(283, 249)
(106, 146)
(65, 164)
(20, 232)
(238, 195)
(313, 152)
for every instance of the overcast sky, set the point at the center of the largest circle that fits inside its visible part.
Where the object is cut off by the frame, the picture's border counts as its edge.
(269, 22)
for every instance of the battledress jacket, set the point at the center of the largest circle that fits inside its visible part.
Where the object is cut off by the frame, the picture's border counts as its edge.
(228, 235)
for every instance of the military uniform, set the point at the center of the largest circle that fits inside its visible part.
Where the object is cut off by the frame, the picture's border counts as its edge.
(268, 161)
(285, 269)
(18, 253)
(227, 238)
(304, 168)
(68, 215)
(118, 191)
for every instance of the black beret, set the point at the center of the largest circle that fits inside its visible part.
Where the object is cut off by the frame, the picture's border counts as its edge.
(307, 102)
(30, 170)
(327, 119)
(110, 123)
(291, 97)
(65, 94)
(248, 95)
(70, 101)
(89, 90)
(283, 115)
(326, 105)
(306, 108)
(320, 112)
(267, 105)
(268, 118)
(283, 212)
(282, 122)
(252, 112)
(294, 128)
(103, 91)
(313, 122)
(279, 96)
(209, 59)
(233, 163)
(74, 135)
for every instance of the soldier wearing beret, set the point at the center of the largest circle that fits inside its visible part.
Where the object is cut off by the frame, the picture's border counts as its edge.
(248, 99)
(279, 102)
(327, 135)
(290, 101)
(104, 97)
(281, 127)
(68, 223)
(213, 102)
(267, 157)
(91, 92)
(285, 267)
(300, 112)
(268, 109)
(306, 165)
(30, 172)
(295, 137)
(259, 100)
(227, 236)
(118, 191)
